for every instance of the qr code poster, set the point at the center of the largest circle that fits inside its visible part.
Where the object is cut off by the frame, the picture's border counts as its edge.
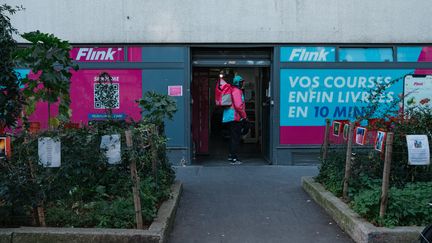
(106, 93)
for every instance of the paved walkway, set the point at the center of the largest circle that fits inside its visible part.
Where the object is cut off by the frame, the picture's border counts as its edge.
(250, 203)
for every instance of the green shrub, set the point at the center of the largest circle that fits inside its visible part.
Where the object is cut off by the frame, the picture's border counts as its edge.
(406, 206)
(85, 191)
(410, 185)
(331, 172)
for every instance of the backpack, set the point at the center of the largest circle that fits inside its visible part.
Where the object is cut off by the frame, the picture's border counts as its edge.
(223, 94)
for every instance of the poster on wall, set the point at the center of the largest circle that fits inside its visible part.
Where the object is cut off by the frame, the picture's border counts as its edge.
(379, 141)
(336, 128)
(309, 96)
(86, 106)
(88, 92)
(417, 90)
(175, 90)
(360, 135)
(418, 150)
(3, 152)
(49, 151)
(345, 131)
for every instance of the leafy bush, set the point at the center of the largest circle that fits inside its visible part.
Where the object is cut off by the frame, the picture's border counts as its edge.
(406, 206)
(410, 185)
(331, 172)
(47, 56)
(85, 191)
(11, 99)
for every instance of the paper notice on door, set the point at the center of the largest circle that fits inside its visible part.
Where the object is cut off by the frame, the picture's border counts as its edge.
(418, 150)
(49, 151)
(176, 90)
(111, 146)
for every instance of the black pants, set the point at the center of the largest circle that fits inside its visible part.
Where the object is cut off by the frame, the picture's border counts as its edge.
(235, 131)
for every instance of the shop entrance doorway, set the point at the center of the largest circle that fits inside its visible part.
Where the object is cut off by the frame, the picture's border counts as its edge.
(210, 137)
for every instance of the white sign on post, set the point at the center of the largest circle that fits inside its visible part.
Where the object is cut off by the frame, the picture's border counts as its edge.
(49, 151)
(111, 145)
(418, 150)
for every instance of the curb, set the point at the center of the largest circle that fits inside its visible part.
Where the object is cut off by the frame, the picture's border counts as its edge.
(358, 228)
(157, 232)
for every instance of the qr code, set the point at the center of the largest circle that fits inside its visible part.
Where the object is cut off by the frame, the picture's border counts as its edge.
(106, 92)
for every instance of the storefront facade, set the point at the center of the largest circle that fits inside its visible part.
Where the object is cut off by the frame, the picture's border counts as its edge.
(306, 85)
(308, 60)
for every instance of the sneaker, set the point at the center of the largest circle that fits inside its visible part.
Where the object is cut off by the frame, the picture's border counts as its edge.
(236, 162)
(230, 159)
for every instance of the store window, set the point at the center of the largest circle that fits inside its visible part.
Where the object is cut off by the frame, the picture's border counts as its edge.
(414, 54)
(366, 54)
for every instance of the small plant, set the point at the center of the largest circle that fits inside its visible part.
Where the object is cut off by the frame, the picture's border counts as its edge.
(48, 58)
(407, 206)
(157, 107)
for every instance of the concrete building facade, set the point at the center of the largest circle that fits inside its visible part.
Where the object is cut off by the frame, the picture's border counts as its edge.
(303, 61)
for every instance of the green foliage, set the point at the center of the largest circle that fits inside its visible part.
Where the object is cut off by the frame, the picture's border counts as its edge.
(406, 207)
(367, 203)
(85, 191)
(331, 172)
(410, 185)
(419, 122)
(48, 57)
(157, 107)
(11, 99)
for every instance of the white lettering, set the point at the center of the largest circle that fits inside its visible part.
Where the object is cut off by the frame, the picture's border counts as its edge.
(297, 111)
(295, 53)
(96, 55)
(81, 53)
(110, 54)
(298, 54)
(322, 55)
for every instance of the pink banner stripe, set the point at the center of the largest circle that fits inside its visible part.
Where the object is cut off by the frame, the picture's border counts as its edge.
(134, 54)
(301, 135)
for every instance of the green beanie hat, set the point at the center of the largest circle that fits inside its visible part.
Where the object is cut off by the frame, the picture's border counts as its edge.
(237, 80)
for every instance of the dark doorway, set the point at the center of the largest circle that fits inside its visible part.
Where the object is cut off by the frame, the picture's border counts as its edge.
(211, 136)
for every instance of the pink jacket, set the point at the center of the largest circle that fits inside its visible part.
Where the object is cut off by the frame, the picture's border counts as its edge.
(237, 110)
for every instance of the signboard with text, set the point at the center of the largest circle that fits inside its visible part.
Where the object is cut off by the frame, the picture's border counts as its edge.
(95, 54)
(308, 54)
(417, 90)
(309, 96)
(85, 104)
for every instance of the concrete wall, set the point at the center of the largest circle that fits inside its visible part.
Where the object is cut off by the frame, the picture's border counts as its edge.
(228, 21)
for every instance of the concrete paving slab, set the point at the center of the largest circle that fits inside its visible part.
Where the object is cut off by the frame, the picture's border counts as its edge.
(245, 203)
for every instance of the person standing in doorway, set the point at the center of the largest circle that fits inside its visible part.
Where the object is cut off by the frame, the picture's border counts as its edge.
(233, 116)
